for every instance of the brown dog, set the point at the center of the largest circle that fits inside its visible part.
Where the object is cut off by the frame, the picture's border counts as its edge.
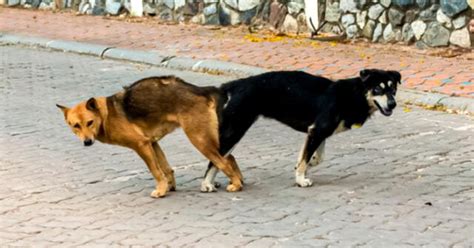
(143, 113)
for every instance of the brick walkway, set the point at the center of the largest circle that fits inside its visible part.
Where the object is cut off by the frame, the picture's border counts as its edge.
(403, 181)
(452, 76)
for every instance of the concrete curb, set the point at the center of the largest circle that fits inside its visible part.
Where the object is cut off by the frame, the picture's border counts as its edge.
(458, 104)
(151, 58)
(147, 57)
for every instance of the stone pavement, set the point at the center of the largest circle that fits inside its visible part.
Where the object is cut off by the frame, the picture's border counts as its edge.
(453, 76)
(396, 182)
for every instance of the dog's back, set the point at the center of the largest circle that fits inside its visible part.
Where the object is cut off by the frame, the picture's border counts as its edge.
(290, 97)
(160, 96)
(278, 82)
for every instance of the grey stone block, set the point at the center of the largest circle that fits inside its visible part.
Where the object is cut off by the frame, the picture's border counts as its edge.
(403, 3)
(436, 35)
(430, 13)
(368, 29)
(13, 2)
(23, 40)
(453, 7)
(228, 67)
(77, 47)
(146, 57)
(333, 13)
(395, 16)
(375, 11)
(460, 22)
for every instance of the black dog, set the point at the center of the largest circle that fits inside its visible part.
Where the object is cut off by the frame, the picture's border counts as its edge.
(307, 103)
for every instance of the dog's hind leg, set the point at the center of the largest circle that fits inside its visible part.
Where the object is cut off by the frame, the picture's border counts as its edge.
(232, 130)
(204, 136)
(147, 153)
(209, 148)
(169, 173)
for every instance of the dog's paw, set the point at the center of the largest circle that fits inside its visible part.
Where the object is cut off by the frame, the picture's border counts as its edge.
(306, 182)
(207, 187)
(172, 188)
(172, 185)
(233, 188)
(157, 194)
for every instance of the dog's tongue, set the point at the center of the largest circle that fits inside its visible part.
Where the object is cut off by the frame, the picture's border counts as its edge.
(387, 112)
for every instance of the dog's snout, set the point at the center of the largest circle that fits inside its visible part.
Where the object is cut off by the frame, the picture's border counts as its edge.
(391, 104)
(88, 142)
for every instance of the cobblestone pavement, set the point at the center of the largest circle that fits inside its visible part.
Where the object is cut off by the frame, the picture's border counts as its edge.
(401, 181)
(453, 76)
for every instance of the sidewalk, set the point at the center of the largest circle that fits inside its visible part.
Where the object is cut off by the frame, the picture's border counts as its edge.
(452, 76)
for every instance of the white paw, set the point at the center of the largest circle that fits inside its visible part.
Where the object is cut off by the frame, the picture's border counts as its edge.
(208, 187)
(304, 182)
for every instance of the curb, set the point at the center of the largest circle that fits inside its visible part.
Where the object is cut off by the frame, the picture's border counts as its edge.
(147, 57)
(456, 104)
(459, 105)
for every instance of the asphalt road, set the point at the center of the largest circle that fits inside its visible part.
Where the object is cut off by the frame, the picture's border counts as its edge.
(403, 181)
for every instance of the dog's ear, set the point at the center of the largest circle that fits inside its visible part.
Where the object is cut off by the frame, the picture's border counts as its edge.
(91, 104)
(365, 74)
(63, 109)
(397, 76)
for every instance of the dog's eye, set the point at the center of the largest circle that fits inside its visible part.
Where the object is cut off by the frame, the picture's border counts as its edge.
(89, 123)
(377, 91)
(77, 126)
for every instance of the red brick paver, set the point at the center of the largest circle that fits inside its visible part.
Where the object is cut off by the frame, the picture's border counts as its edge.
(454, 76)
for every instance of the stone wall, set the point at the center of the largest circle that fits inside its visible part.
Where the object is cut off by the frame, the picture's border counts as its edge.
(430, 23)
(425, 23)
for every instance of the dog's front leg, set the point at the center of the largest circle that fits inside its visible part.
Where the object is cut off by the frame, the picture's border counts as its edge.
(318, 156)
(160, 156)
(315, 139)
(302, 166)
(147, 153)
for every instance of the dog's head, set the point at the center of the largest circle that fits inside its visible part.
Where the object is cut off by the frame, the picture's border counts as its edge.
(84, 120)
(381, 89)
